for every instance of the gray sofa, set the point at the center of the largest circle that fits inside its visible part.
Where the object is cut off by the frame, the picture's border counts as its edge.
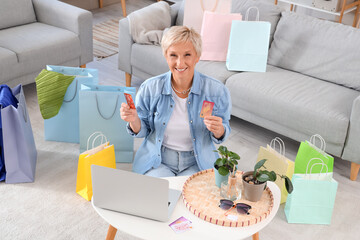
(311, 85)
(34, 33)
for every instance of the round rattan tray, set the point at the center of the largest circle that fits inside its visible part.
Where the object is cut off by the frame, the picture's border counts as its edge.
(201, 196)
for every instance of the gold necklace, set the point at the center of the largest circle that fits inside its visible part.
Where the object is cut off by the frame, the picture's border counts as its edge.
(183, 92)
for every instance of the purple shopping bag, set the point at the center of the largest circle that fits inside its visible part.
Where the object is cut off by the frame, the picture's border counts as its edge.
(19, 146)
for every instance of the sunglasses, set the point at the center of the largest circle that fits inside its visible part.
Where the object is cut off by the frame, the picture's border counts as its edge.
(241, 208)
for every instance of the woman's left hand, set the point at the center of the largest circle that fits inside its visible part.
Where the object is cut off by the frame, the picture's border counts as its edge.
(214, 125)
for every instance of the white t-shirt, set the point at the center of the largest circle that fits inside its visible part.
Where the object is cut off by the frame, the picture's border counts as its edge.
(177, 134)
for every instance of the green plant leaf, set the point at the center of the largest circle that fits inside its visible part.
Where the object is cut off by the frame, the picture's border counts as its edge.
(272, 176)
(223, 151)
(223, 170)
(234, 156)
(288, 184)
(259, 164)
(234, 162)
(217, 162)
(263, 177)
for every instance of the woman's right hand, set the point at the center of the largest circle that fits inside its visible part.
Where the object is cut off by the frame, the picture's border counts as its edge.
(130, 115)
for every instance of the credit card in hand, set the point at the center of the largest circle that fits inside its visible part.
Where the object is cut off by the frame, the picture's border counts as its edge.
(129, 100)
(206, 109)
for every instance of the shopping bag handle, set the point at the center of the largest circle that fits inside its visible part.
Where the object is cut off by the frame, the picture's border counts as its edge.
(321, 163)
(248, 11)
(321, 139)
(213, 9)
(73, 97)
(98, 108)
(97, 134)
(281, 145)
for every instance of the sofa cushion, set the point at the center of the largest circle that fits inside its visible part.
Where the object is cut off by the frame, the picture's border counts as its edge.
(149, 59)
(214, 69)
(49, 45)
(318, 48)
(268, 12)
(298, 102)
(16, 12)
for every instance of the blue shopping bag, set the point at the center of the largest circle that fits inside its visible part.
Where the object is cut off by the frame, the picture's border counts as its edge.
(99, 112)
(19, 146)
(7, 98)
(64, 127)
(313, 198)
(248, 45)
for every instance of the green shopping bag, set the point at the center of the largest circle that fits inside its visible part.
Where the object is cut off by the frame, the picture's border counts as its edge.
(309, 150)
(312, 200)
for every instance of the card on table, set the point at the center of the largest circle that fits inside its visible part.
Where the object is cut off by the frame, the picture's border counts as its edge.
(181, 225)
(129, 100)
(206, 109)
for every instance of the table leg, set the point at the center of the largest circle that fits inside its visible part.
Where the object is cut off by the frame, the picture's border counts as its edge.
(111, 233)
(101, 3)
(255, 236)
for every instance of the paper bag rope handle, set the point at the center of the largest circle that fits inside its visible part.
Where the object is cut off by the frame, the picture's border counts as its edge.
(213, 9)
(321, 139)
(73, 97)
(248, 11)
(96, 134)
(321, 163)
(98, 108)
(281, 145)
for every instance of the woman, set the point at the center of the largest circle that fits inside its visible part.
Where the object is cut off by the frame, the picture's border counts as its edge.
(177, 140)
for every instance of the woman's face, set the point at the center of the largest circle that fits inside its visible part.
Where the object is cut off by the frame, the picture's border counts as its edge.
(182, 58)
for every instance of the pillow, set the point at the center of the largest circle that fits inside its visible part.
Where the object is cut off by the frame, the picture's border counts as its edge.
(318, 48)
(16, 12)
(180, 16)
(268, 12)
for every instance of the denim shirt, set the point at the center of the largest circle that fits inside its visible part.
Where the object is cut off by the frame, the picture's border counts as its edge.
(154, 105)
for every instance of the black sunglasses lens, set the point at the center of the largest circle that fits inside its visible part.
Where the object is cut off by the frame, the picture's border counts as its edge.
(243, 205)
(242, 210)
(225, 204)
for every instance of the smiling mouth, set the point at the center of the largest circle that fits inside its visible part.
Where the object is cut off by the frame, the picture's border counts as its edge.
(180, 69)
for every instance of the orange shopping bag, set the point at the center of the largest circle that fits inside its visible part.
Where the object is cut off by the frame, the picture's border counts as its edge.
(102, 155)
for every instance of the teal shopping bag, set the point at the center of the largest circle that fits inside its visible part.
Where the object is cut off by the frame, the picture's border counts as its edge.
(100, 112)
(312, 200)
(64, 127)
(308, 151)
(248, 45)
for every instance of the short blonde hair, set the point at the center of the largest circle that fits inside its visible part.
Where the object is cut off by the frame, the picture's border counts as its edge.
(181, 34)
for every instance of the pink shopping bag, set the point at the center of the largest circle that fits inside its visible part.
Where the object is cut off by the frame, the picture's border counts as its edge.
(194, 11)
(215, 33)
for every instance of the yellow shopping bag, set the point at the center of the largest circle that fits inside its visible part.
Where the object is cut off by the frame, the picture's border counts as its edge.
(277, 162)
(102, 155)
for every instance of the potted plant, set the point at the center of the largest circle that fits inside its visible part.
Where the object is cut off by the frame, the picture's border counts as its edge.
(225, 164)
(254, 182)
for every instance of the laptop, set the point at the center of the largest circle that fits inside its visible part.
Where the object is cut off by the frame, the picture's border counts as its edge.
(133, 193)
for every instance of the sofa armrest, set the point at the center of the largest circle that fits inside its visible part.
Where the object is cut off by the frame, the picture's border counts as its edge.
(74, 19)
(125, 45)
(126, 41)
(352, 144)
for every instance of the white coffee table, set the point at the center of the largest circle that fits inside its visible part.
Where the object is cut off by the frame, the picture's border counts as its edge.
(154, 230)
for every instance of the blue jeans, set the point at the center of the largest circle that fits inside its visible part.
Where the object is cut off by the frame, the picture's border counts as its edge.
(174, 163)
